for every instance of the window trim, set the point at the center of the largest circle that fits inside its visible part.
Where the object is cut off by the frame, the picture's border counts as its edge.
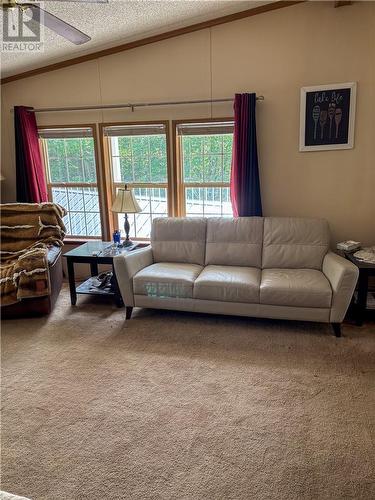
(98, 184)
(180, 208)
(111, 184)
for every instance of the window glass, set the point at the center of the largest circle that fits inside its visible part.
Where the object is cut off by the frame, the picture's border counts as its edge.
(205, 157)
(138, 157)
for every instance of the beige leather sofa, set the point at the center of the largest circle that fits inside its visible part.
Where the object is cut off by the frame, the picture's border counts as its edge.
(268, 267)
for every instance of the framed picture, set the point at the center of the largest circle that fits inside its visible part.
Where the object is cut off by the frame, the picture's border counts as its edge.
(327, 117)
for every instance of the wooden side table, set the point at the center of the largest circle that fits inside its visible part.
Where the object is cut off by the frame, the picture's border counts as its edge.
(365, 271)
(104, 255)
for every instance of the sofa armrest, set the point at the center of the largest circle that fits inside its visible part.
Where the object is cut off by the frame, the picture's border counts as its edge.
(342, 275)
(53, 254)
(126, 266)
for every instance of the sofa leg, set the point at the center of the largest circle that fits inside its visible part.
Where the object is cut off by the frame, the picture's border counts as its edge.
(337, 329)
(128, 312)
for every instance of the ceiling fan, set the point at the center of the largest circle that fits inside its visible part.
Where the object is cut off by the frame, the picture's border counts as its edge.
(52, 22)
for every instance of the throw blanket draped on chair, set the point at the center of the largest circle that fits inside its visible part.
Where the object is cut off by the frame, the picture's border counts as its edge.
(27, 230)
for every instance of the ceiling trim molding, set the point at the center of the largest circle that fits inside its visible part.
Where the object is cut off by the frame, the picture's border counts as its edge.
(152, 39)
(342, 4)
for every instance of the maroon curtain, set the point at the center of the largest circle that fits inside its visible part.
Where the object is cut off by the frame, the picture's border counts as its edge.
(31, 181)
(244, 181)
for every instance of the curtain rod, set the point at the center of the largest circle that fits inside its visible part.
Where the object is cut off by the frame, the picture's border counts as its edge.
(134, 105)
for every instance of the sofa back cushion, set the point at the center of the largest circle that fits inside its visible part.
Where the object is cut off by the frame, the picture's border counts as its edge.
(291, 242)
(234, 241)
(179, 239)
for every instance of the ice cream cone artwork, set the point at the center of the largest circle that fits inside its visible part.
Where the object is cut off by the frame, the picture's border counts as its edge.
(331, 114)
(322, 121)
(338, 118)
(315, 116)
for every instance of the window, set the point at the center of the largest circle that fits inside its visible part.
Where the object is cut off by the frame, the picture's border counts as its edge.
(204, 157)
(138, 157)
(137, 154)
(71, 177)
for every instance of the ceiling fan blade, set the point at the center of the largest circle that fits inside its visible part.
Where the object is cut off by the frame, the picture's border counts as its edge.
(57, 25)
(80, 1)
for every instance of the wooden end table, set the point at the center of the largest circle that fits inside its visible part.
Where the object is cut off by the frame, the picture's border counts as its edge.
(95, 253)
(365, 271)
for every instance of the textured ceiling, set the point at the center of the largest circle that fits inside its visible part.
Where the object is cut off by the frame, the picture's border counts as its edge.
(117, 22)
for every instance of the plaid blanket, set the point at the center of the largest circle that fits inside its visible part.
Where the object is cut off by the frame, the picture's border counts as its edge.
(27, 231)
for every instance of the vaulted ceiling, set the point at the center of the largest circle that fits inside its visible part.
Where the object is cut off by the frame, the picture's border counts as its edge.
(113, 23)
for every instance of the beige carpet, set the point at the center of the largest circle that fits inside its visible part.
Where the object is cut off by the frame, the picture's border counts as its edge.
(183, 406)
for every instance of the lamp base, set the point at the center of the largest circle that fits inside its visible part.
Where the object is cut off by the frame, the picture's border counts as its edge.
(127, 242)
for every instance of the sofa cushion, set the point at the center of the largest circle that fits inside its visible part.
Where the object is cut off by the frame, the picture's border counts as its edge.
(292, 243)
(228, 284)
(179, 239)
(234, 241)
(295, 287)
(166, 279)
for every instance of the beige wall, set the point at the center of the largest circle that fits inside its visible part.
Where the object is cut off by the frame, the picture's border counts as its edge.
(274, 54)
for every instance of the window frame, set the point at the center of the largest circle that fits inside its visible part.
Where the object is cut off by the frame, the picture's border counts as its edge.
(180, 185)
(99, 180)
(111, 185)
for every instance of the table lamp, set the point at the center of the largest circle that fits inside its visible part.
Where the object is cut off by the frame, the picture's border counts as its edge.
(125, 203)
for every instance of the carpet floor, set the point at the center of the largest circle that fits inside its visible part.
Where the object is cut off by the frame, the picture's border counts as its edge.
(175, 406)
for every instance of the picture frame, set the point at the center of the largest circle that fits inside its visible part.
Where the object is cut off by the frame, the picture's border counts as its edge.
(327, 116)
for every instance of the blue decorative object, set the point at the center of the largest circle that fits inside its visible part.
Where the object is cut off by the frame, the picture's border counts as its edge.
(117, 237)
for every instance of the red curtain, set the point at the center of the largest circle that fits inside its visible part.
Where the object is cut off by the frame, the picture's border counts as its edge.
(244, 182)
(31, 181)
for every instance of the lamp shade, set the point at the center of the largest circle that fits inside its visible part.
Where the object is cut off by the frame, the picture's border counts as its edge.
(125, 202)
